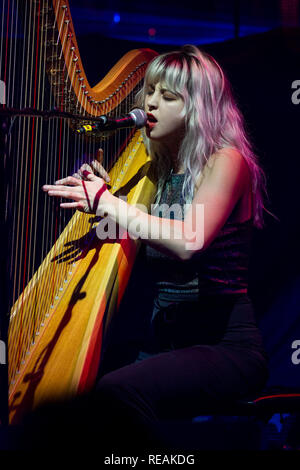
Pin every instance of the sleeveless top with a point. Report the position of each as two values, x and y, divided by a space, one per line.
203 300
220 269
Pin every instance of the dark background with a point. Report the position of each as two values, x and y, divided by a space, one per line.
258 45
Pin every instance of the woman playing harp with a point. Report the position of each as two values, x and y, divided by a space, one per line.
203 346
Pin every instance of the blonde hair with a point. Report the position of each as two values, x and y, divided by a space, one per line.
212 118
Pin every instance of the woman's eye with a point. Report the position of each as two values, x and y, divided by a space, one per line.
169 97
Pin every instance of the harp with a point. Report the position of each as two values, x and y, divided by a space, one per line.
65 283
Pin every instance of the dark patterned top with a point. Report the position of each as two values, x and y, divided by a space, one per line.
220 269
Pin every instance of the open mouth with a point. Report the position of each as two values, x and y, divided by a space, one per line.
151 119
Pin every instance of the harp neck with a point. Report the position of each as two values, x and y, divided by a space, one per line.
111 90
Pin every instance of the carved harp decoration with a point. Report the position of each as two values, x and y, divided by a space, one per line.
65 283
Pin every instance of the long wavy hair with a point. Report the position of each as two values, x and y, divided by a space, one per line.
212 120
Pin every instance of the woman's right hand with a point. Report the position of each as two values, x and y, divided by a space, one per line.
96 167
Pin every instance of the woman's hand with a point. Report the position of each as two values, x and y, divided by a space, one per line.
84 187
96 167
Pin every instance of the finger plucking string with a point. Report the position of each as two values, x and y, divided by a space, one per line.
86 173
85 168
70 180
99 156
99 168
71 192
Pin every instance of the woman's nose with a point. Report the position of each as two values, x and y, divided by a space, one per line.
152 101
151 107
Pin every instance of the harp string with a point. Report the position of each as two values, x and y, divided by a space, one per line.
35 312
17 170
34 131
18 218
15 162
2 42
6 42
30 195
34 153
69 77
8 61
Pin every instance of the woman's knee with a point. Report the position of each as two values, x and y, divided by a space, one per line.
111 385
126 397
116 394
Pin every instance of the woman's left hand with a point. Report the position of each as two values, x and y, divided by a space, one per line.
86 193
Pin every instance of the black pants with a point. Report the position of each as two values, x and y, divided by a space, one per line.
139 400
139 406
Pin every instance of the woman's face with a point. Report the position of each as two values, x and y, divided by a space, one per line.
165 111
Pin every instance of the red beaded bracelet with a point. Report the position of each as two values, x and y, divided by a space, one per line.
98 194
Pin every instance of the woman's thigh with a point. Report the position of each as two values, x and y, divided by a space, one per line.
183 382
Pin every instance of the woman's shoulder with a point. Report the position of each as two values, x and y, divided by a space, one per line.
225 160
235 162
227 174
226 155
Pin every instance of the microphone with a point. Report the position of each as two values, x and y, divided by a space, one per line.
136 118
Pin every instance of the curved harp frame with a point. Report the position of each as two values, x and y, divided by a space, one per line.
108 93
63 354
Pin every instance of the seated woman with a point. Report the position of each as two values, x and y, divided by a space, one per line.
203 347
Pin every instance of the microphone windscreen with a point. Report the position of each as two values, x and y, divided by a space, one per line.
139 116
